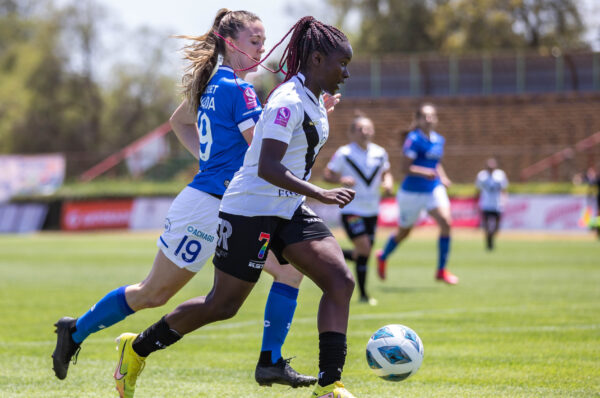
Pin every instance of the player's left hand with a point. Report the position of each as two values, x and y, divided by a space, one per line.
330 101
445 181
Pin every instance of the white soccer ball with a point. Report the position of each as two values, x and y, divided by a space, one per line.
395 352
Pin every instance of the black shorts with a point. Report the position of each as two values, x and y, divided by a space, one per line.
358 225
244 241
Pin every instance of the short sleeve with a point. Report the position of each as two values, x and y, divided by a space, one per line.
246 107
336 162
281 118
410 146
479 179
386 161
504 182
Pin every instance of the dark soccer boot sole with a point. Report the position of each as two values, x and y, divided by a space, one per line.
66 348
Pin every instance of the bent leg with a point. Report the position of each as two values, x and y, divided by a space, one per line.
362 246
165 279
323 262
223 301
279 309
163 282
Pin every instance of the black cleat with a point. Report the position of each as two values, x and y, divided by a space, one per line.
281 373
66 349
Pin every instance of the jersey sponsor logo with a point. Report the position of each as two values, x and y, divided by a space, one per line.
207 102
225 230
250 98
200 234
255 265
286 193
167 225
263 250
283 116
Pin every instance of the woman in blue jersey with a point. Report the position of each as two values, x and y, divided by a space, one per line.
423 188
215 123
264 209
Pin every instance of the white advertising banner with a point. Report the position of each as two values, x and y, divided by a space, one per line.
149 213
22 217
545 212
30 175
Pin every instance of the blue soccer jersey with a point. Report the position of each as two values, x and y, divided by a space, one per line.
426 152
228 106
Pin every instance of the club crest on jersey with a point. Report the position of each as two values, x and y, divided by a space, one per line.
283 116
250 98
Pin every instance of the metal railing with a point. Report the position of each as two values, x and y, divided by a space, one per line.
487 74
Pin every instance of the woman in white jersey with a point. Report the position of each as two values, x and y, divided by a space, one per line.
364 167
491 184
215 123
263 208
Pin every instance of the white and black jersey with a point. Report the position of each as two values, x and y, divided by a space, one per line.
295 116
366 167
491 185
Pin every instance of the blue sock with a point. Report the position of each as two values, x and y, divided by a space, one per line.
279 312
111 309
444 248
389 247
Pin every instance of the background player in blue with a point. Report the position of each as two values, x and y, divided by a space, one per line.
218 134
424 187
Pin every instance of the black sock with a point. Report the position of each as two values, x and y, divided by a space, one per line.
265 358
348 254
361 274
490 241
156 337
332 356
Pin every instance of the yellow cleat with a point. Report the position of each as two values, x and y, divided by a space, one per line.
129 367
335 390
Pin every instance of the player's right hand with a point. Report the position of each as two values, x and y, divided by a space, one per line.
336 196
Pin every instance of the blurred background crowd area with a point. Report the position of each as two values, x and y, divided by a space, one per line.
518 80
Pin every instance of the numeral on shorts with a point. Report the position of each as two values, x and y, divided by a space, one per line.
192 249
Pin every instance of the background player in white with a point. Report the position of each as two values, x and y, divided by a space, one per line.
216 127
423 188
263 208
491 184
364 167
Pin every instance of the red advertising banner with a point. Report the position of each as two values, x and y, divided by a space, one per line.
101 214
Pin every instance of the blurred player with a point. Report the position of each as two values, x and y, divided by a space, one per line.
264 208
491 184
215 127
364 167
423 188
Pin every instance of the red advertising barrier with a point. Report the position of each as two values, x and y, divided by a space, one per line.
100 214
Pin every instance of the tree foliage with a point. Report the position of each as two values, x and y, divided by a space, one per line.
455 26
51 95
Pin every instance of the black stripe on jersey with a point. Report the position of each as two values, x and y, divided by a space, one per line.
312 139
367 180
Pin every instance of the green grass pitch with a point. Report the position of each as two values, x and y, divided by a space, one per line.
523 322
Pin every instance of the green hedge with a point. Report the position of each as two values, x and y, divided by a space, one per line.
118 188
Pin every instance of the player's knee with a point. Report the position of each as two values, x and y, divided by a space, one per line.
152 298
344 283
291 277
225 311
